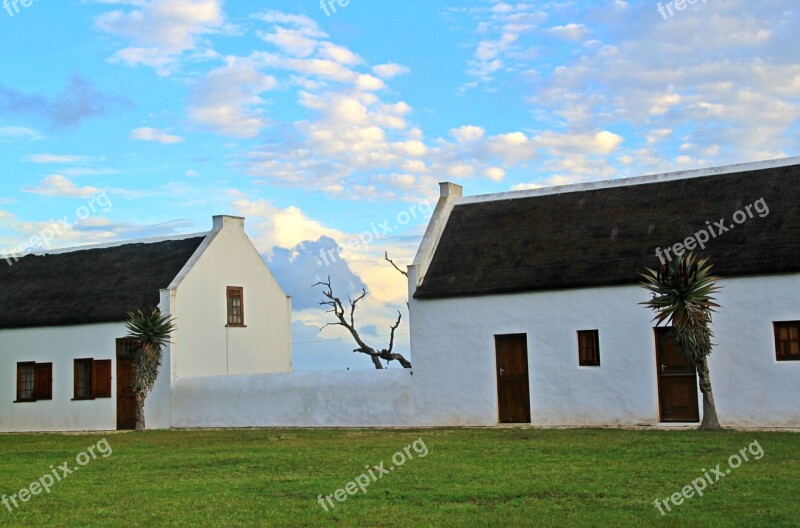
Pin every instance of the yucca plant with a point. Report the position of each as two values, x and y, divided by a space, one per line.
151 330
683 290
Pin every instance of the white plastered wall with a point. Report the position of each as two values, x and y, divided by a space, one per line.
454 356
359 398
202 344
59 346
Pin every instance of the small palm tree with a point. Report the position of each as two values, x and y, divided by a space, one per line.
683 292
151 330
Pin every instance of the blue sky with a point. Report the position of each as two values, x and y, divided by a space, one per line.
318 128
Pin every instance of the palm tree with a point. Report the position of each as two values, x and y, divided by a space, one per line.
151 329
682 297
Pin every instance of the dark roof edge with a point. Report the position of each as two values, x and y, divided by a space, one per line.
118 243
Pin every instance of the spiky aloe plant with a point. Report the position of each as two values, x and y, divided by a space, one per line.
151 330
683 292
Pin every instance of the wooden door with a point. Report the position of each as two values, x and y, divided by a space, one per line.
126 396
677 381
513 391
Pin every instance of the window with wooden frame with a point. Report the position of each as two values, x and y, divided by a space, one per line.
787 341
127 347
92 379
235 306
34 381
588 348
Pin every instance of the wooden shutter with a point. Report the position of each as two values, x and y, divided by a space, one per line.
44 381
101 378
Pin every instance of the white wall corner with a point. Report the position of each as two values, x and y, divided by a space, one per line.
449 195
412 281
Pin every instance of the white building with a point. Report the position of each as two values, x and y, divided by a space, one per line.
524 306
64 361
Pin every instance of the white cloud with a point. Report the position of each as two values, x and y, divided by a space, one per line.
293 41
58 185
501 28
525 186
390 70
722 92
17 132
467 133
160 31
339 54
156 135
57 158
303 22
511 148
495 173
570 31
227 99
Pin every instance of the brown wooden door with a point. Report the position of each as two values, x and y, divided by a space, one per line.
126 397
677 381
513 392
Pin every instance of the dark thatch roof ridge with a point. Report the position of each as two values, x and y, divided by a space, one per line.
607 236
92 285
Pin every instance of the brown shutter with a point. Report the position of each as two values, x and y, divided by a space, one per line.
101 378
44 381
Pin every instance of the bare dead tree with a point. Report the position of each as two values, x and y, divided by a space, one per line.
346 317
390 261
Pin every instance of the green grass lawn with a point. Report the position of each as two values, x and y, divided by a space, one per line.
469 477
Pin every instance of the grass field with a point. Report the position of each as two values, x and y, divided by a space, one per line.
468 477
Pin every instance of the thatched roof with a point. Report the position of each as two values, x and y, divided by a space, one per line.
607 236
89 286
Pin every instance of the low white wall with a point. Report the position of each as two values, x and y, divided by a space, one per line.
357 398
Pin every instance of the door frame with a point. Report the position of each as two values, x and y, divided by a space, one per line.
657 332
526 402
124 354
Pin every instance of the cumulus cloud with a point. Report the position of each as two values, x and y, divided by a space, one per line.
227 99
308 262
161 31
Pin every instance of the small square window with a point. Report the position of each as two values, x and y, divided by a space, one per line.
588 348
787 341
235 306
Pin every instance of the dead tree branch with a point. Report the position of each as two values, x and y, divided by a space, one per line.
390 261
345 316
